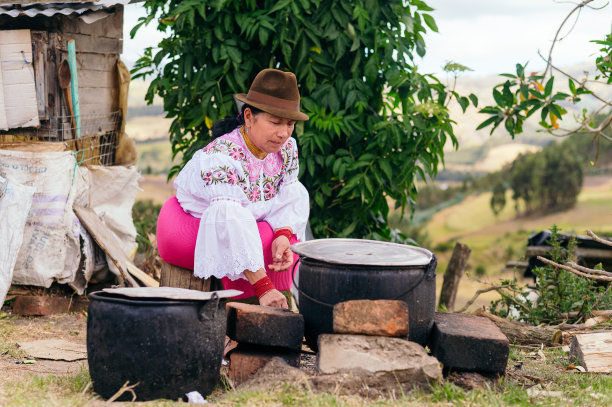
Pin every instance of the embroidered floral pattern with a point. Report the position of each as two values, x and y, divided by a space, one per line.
275 167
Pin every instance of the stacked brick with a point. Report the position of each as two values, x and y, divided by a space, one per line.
262 333
371 336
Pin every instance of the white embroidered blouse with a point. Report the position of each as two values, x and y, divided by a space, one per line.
230 190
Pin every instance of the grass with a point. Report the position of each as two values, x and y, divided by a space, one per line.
527 369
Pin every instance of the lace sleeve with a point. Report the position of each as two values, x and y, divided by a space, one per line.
207 177
228 241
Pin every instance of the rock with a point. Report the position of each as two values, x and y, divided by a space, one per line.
371 317
469 343
245 361
376 354
473 380
268 326
277 370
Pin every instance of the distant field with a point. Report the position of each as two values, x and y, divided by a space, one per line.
155 157
491 238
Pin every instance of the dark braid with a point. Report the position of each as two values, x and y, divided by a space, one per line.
228 124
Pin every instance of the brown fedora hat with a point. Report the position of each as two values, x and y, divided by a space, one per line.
275 92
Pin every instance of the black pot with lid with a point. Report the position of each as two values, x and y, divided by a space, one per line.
168 340
336 270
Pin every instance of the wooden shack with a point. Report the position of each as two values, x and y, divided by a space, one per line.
97 30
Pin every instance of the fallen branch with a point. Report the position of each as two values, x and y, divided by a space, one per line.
522 333
588 270
599 239
124 389
572 270
497 288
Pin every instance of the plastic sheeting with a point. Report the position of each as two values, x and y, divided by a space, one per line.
15 203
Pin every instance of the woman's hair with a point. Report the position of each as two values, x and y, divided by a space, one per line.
228 124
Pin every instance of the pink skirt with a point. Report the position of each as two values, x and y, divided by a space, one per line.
177 232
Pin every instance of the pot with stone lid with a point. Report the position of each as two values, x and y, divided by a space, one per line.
337 270
168 340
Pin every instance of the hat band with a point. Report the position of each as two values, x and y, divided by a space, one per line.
273 101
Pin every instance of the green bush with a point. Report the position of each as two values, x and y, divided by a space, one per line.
145 214
376 124
559 292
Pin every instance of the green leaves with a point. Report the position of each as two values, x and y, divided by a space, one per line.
375 125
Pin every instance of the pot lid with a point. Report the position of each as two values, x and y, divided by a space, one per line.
170 293
363 252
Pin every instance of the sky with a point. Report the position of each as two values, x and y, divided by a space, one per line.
488 36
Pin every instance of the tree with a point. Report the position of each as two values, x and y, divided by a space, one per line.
523 95
498 199
377 125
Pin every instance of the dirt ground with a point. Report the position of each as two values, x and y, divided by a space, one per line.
14 362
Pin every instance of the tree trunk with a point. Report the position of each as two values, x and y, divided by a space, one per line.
453 274
524 334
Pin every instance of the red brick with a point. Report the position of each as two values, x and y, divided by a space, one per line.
470 343
371 317
267 326
246 361
42 305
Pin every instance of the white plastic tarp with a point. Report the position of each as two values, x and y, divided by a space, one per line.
15 203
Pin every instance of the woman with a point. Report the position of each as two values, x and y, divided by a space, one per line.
239 205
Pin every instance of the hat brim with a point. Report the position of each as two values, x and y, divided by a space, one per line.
286 114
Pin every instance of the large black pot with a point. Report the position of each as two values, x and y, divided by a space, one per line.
387 271
168 346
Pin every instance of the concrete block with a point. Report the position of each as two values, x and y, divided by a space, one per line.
469 343
371 317
267 326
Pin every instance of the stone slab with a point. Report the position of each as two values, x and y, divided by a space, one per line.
245 361
371 317
54 349
376 354
267 326
469 343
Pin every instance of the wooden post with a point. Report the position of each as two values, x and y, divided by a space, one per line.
175 276
453 274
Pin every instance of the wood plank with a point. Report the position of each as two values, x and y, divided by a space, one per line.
98 79
146 279
40 40
93 44
594 351
94 62
99 96
111 26
110 245
53 89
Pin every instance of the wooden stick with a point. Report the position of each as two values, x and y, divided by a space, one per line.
571 270
588 270
123 389
453 274
599 239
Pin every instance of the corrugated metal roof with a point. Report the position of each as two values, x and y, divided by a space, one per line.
51 9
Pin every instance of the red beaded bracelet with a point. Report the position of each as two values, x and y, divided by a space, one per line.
262 286
283 232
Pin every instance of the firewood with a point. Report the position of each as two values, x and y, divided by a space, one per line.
522 333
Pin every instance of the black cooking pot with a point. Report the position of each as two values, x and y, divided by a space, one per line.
337 270
168 340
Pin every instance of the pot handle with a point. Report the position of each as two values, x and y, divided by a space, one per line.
209 306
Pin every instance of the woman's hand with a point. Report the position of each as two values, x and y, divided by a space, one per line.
281 254
274 298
